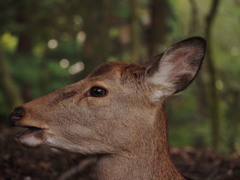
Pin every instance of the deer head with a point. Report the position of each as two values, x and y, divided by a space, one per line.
117 109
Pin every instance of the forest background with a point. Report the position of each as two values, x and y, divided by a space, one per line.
48 44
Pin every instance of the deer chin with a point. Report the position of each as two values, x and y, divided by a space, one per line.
33 137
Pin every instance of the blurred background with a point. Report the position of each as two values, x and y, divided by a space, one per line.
48 44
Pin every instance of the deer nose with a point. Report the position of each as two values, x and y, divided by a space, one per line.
16 115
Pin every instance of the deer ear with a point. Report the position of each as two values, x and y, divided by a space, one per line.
171 72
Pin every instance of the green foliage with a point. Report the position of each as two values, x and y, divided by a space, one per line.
25 70
121 9
42 76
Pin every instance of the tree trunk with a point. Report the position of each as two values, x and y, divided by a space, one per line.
234 120
8 88
215 111
194 23
25 44
96 26
201 86
134 30
24 49
160 13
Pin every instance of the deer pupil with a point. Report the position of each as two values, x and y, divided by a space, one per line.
98 91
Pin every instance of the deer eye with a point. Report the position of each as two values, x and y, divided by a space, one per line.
96 91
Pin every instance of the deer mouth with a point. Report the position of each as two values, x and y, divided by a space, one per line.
33 136
31 130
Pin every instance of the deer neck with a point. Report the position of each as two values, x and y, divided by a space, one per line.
149 160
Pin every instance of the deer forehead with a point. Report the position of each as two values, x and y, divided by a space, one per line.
119 73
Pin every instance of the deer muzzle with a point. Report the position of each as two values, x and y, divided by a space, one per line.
34 134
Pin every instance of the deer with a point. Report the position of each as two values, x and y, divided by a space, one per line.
116 113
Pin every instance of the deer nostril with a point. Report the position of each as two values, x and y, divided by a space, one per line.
16 115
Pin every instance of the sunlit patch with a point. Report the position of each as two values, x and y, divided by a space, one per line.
78 20
219 84
52 43
235 51
81 36
76 68
64 63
